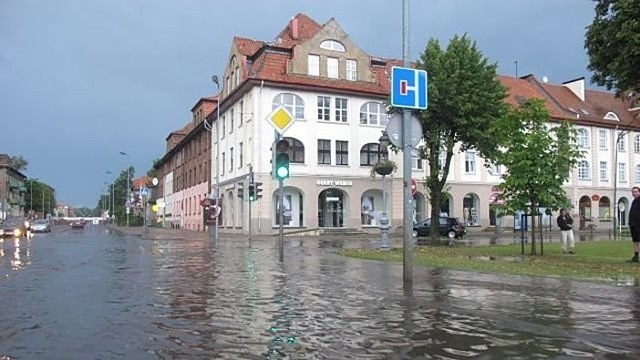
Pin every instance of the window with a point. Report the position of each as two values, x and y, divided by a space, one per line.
332 45
583 138
352 70
636 144
416 163
622 172
442 159
223 163
373 113
495 169
370 154
230 159
231 121
604 173
341 109
342 152
332 67
241 113
296 151
603 140
324 152
324 108
240 156
611 116
313 64
583 170
621 144
470 162
637 174
292 102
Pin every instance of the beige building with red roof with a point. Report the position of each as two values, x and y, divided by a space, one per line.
335 92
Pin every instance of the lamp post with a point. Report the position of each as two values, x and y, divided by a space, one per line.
128 196
384 220
215 80
113 198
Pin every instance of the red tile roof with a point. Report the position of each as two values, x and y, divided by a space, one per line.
520 89
247 47
306 28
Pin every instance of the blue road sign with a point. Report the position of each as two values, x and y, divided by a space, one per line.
408 88
144 191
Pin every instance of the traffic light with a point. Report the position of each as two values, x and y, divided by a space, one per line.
241 190
258 189
282 160
252 192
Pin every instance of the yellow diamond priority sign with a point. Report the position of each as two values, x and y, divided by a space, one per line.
281 119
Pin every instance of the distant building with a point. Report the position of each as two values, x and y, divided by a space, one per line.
12 189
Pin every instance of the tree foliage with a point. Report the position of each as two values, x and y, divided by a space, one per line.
40 197
465 99
538 160
117 197
18 163
612 42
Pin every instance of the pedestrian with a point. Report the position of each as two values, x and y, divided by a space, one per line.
634 222
565 223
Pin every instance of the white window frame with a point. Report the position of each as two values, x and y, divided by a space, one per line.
604 171
417 163
342 107
470 162
313 65
603 139
292 102
333 67
351 68
636 143
373 113
637 174
583 138
324 109
622 172
584 170
333 45
621 142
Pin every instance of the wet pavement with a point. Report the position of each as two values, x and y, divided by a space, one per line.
100 294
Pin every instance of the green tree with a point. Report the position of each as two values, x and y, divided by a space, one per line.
18 163
538 158
465 100
120 186
612 42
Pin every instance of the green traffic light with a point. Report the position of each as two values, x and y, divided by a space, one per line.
282 172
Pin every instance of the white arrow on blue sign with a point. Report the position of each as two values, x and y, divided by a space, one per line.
408 88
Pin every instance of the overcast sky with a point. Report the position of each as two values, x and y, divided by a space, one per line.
82 80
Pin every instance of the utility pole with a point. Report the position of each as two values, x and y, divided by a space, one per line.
407 268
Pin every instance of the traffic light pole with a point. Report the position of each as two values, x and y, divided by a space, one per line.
281 220
250 182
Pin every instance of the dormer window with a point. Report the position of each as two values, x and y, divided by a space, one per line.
332 45
611 116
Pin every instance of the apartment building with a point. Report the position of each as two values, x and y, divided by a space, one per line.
336 92
12 189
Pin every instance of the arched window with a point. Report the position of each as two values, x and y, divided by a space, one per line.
296 151
332 45
373 113
583 138
584 173
370 154
292 102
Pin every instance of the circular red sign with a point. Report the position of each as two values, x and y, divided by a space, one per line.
414 186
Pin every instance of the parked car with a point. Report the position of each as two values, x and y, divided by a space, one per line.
453 228
41 225
14 227
77 225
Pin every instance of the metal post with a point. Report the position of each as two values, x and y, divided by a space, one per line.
127 202
616 209
406 164
31 199
251 181
281 220
384 221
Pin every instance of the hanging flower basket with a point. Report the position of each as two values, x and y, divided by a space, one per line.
384 167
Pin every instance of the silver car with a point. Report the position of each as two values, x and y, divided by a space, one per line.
41 225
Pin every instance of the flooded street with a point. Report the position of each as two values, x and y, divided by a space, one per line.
95 295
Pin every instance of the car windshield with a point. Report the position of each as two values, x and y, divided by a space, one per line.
40 222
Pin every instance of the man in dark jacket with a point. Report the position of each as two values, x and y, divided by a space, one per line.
565 223
634 222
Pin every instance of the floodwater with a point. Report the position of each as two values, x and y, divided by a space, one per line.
92 294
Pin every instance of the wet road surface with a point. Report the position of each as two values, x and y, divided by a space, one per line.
92 294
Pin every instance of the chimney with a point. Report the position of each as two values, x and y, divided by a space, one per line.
576 86
294 28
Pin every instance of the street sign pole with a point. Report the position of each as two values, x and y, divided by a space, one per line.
250 178
281 220
407 258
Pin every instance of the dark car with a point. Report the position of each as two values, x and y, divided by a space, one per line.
77 225
452 228
15 228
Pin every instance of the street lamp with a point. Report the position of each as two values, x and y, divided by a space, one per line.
128 196
384 220
112 212
214 79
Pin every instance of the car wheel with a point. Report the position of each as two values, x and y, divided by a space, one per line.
451 234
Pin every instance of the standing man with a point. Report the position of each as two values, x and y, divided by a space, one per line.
565 223
634 222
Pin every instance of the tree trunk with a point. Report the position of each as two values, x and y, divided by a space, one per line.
435 215
534 211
